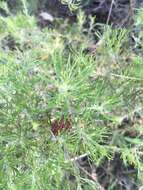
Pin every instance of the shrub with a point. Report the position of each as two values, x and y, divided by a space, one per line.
48 80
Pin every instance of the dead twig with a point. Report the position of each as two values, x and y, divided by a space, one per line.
93 176
110 11
79 157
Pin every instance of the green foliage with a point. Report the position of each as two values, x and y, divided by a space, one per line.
75 4
72 4
49 76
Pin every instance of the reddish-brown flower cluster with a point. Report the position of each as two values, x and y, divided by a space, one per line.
60 125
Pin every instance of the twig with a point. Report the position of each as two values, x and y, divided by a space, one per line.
110 11
93 177
129 17
126 77
78 157
100 5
